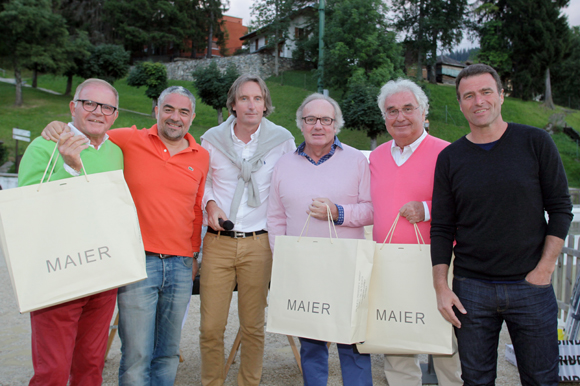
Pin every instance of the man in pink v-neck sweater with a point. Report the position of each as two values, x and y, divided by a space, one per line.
322 173
402 174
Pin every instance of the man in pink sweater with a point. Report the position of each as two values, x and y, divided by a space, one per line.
321 172
402 173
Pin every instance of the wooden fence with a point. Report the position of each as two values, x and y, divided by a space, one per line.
565 275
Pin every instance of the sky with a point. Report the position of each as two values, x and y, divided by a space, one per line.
241 8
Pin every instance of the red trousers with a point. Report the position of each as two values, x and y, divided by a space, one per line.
69 341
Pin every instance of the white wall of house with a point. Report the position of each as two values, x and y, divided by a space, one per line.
289 45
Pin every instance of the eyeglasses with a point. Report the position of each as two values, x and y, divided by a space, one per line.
394 113
324 121
91 106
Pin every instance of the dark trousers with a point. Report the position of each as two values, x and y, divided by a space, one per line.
530 313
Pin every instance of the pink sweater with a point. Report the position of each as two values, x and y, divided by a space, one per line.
344 179
393 186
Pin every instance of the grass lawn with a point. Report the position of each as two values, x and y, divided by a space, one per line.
288 90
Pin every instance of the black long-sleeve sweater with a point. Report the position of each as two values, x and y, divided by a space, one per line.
492 204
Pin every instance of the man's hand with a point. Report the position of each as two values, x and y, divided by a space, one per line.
414 211
70 147
52 131
318 209
542 274
446 298
214 213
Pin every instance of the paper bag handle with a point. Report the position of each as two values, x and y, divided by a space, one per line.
389 236
330 221
52 169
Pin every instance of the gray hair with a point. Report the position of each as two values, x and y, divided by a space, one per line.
237 85
176 90
393 87
90 81
338 119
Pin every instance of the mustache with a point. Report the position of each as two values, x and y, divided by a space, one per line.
172 122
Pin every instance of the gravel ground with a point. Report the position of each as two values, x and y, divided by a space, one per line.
280 369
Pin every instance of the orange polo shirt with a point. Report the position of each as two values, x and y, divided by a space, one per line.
167 190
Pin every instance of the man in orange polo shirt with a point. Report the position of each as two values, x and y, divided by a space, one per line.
166 171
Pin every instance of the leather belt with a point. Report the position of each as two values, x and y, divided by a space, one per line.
159 255
236 234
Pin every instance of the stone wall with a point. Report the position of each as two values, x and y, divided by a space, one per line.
259 64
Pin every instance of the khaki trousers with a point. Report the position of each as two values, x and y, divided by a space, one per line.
404 370
227 262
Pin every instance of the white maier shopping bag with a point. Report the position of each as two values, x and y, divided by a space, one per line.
319 287
403 316
66 239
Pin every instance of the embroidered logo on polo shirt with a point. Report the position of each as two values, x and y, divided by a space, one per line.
190 168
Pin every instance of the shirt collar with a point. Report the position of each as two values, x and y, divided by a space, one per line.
336 143
237 140
412 146
78 132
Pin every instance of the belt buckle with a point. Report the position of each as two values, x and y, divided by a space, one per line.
238 235
163 256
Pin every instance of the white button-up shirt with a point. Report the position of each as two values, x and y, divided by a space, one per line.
400 156
222 180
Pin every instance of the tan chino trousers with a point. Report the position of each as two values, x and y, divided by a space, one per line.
227 261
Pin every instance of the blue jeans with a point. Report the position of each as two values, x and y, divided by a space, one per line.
355 367
530 313
150 316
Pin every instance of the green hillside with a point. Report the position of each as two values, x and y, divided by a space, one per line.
288 91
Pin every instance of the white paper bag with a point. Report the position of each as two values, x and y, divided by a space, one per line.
403 315
70 239
319 288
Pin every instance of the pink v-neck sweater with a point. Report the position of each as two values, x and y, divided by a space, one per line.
344 179
393 186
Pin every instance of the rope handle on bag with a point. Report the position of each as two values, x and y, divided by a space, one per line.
389 236
328 217
53 166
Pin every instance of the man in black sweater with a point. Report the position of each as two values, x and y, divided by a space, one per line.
490 193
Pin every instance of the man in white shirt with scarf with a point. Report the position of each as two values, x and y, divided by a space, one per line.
243 151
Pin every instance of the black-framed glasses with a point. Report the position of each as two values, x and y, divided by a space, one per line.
394 113
324 121
91 106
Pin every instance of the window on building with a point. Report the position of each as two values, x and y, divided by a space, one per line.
298 32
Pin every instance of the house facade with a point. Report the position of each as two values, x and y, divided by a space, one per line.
258 40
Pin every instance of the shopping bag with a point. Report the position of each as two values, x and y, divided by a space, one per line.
319 288
70 238
403 315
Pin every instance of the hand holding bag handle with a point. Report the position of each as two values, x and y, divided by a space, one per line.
330 221
389 236
53 166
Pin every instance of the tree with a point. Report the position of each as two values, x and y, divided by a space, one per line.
87 16
156 24
533 33
359 107
213 10
213 86
31 34
78 50
566 74
108 62
429 26
151 75
357 37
